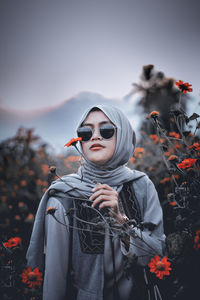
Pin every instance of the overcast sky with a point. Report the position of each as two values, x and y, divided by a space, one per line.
51 50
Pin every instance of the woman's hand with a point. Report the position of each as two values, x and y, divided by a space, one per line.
105 196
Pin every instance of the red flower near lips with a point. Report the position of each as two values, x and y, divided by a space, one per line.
159 267
73 142
184 87
13 242
32 277
187 163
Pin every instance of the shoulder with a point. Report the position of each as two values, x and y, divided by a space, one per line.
58 196
62 185
141 178
144 189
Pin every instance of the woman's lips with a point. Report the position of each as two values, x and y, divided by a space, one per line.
96 147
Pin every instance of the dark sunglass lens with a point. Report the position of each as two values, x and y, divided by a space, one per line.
107 131
84 133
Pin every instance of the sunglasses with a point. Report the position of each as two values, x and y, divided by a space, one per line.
106 131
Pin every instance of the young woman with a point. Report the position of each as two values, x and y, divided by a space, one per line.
82 247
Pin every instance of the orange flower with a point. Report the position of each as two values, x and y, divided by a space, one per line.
172 203
154 114
17 218
197 240
174 134
166 179
167 153
177 145
195 146
187 163
39 181
45 169
23 183
155 138
173 158
30 217
13 242
31 172
132 160
159 267
32 277
51 210
184 87
73 142
139 152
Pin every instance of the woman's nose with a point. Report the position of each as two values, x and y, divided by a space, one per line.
96 134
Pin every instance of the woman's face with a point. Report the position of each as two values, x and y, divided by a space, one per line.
98 150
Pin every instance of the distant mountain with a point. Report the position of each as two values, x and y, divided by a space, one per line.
56 125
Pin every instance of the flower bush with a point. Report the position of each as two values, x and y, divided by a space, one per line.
26 171
172 160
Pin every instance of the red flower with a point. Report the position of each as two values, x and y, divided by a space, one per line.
154 114
32 277
184 87
164 180
172 203
13 242
155 138
173 158
197 240
159 267
139 152
187 163
73 142
174 134
195 146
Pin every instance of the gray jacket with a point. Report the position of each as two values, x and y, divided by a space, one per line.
91 270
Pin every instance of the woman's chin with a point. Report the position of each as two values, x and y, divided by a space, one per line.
101 160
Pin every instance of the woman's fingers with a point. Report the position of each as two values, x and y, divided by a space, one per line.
101 192
111 204
101 198
104 196
101 186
